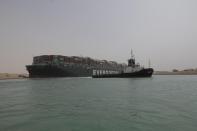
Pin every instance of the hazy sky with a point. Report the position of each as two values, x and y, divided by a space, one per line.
164 31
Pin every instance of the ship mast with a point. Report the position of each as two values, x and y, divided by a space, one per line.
131 61
132 55
149 63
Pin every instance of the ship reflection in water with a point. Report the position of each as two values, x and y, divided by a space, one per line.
75 66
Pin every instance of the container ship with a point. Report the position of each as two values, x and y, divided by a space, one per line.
70 66
76 66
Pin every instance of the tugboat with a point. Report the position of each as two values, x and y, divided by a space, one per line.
132 70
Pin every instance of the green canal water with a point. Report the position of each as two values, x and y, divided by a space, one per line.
160 103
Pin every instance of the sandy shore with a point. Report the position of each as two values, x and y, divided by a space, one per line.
4 76
175 73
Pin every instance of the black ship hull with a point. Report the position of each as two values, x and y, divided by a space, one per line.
142 73
57 71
